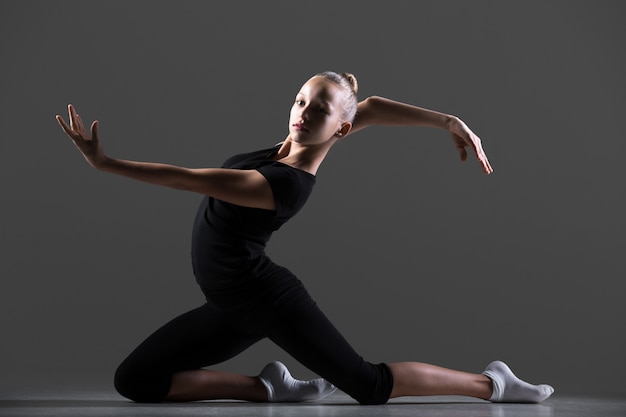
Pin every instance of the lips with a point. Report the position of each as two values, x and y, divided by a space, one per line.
300 127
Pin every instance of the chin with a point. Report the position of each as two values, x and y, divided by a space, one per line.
296 139
300 138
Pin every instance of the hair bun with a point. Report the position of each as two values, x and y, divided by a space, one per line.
354 84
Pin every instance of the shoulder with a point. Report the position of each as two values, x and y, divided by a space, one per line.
285 176
290 186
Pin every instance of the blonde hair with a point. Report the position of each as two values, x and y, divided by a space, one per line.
348 82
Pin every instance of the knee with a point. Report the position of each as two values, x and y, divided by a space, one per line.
379 388
128 384
139 386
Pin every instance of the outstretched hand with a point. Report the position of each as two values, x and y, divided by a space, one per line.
87 144
464 137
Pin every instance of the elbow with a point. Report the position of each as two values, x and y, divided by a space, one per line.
373 105
368 111
371 102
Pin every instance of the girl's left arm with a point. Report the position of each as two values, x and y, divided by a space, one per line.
385 112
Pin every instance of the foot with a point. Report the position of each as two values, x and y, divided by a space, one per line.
282 387
507 388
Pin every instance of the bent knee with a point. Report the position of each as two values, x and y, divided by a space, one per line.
141 387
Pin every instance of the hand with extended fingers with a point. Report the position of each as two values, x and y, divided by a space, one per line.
87 144
463 137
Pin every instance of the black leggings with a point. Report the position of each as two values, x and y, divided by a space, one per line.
209 334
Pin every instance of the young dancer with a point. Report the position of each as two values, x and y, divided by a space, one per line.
249 297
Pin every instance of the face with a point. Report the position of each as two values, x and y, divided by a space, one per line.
316 112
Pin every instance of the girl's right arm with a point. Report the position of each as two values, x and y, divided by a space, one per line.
242 187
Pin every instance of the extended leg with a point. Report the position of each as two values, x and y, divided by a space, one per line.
311 339
497 383
415 379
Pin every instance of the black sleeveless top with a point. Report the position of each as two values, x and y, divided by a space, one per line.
228 241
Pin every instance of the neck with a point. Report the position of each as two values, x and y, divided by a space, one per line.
307 157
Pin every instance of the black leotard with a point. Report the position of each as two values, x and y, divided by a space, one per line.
249 298
228 241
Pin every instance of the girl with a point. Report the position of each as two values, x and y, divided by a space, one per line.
249 297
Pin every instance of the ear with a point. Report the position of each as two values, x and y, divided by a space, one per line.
344 130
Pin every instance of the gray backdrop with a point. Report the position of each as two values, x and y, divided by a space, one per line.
414 255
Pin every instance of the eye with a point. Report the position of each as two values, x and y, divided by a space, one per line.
299 102
323 110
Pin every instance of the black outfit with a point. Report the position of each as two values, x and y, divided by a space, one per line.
249 297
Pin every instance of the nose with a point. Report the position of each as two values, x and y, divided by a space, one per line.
304 112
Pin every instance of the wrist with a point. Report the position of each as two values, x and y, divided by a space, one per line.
102 163
448 121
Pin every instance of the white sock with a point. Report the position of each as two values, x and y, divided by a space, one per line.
282 387
507 388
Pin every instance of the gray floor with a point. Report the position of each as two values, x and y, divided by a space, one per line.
69 402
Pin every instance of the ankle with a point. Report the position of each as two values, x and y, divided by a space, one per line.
486 388
263 388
